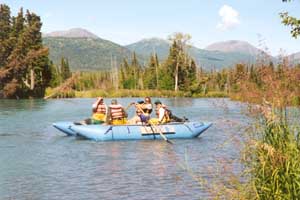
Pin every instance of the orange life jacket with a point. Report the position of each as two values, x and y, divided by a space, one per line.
116 111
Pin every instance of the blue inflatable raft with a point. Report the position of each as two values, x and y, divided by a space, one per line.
134 132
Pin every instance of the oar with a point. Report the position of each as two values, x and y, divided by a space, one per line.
129 106
160 133
156 128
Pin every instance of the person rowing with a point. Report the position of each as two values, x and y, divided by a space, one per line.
143 111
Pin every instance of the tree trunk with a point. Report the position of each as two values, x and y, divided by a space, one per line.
156 75
176 76
31 79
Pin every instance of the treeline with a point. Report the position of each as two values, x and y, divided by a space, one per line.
179 73
25 69
60 73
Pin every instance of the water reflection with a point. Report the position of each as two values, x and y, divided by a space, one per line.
21 105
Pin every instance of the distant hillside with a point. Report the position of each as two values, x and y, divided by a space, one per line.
72 33
146 47
234 46
219 60
205 58
85 53
295 58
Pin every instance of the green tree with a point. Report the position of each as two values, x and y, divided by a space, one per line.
151 73
26 70
291 21
65 69
5 29
180 46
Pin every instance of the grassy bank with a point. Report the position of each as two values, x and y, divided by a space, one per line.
272 158
131 93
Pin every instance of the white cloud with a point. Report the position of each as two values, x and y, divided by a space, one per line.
230 18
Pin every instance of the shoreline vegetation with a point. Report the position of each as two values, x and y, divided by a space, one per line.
93 93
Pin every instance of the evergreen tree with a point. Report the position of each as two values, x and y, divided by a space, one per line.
150 79
136 71
166 72
5 29
181 59
56 76
65 69
26 70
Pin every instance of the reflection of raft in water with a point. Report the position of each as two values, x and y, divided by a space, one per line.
134 132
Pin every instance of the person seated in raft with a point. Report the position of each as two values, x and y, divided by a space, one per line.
143 111
147 107
162 115
116 115
99 111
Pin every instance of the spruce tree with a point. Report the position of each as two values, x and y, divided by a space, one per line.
25 68
65 69
5 29
150 79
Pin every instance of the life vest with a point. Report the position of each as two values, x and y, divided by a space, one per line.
101 108
116 111
99 117
147 111
167 114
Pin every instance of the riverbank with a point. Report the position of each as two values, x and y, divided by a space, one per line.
132 93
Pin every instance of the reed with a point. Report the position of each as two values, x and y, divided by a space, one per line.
272 158
142 93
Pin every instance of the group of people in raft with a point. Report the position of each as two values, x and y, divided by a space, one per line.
115 114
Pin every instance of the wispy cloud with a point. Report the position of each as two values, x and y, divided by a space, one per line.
230 18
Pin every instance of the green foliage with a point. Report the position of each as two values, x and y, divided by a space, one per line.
291 21
25 70
151 73
86 53
131 75
65 69
274 162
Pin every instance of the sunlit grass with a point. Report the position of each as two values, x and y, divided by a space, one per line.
130 93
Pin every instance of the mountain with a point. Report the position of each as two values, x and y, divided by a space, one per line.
146 47
295 58
208 59
72 33
234 46
85 53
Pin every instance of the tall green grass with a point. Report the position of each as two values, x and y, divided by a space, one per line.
273 160
142 93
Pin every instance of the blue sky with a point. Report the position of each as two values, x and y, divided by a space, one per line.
127 21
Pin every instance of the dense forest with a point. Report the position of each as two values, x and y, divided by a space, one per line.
25 70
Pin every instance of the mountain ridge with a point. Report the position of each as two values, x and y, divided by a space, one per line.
90 52
72 33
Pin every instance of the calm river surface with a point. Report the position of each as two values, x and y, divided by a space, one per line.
39 162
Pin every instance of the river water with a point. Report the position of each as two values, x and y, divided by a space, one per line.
39 162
